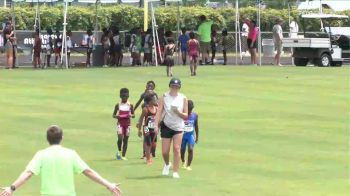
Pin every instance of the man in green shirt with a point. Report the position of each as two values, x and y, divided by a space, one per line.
56 165
204 32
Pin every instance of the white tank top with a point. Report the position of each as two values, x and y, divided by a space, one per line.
172 120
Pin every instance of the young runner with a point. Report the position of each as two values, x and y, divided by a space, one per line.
147 119
193 52
190 136
123 111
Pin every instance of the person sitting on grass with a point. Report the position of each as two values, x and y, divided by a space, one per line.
56 165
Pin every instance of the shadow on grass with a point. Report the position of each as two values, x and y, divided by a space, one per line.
147 177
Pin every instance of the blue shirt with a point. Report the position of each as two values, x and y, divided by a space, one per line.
190 123
183 41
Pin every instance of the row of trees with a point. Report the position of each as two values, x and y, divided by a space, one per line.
128 17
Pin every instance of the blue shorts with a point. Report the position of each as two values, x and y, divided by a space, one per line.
184 49
187 139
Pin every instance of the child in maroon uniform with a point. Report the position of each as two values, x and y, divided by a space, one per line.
123 111
147 119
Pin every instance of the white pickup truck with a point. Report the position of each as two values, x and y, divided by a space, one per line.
321 49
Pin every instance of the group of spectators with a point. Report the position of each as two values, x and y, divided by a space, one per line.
137 41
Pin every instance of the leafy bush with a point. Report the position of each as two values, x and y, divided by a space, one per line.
127 17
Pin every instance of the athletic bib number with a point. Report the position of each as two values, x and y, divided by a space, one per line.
188 127
151 124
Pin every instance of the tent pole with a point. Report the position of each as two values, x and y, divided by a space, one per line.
239 33
64 36
236 29
157 36
154 30
259 33
178 30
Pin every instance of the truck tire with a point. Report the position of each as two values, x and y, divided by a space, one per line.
300 61
324 61
336 63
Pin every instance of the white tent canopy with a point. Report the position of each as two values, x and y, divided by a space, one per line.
335 5
324 16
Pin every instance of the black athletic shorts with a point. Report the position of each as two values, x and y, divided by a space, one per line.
249 43
166 132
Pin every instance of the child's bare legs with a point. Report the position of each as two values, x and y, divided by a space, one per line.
192 66
190 155
168 70
68 58
88 56
10 58
225 57
117 58
184 56
125 145
195 66
154 146
148 153
213 52
120 142
120 59
48 59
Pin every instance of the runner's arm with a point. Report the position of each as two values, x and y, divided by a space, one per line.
159 113
115 112
23 178
94 176
138 102
196 128
132 111
142 116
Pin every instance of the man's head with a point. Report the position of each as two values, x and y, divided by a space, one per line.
191 34
89 32
54 135
279 21
183 30
202 18
124 94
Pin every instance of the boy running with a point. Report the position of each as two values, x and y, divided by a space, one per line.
189 138
147 118
193 52
123 111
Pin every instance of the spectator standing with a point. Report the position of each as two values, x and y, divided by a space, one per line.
277 33
204 32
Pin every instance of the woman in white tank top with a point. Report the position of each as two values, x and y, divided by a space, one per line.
172 111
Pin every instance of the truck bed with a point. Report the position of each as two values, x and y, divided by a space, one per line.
306 42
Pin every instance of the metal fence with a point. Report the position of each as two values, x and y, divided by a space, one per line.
25 39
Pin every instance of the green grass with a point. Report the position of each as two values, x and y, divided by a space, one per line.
264 131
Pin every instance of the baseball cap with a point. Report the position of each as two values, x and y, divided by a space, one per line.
175 82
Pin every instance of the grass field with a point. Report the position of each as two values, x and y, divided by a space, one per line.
264 131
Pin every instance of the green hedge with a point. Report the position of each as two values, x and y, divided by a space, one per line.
127 17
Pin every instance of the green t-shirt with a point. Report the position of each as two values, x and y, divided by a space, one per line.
57 166
204 31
